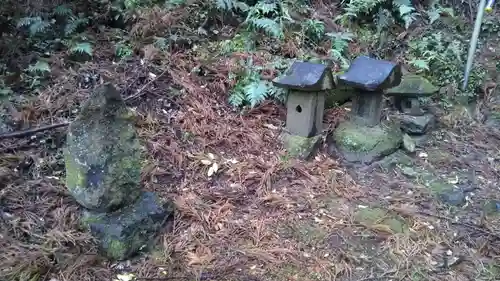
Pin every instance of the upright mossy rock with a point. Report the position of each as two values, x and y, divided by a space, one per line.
103 155
365 144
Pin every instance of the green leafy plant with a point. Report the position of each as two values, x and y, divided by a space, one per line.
123 50
266 17
340 43
440 56
314 29
382 12
250 89
39 67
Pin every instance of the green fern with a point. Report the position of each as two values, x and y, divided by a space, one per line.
259 18
256 92
230 5
269 26
63 11
315 29
74 24
237 98
383 20
35 25
225 5
39 67
420 64
406 11
264 8
82 48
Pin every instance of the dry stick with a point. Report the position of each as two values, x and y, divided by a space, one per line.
24 133
29 132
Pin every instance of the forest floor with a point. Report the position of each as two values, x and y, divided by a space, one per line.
262 215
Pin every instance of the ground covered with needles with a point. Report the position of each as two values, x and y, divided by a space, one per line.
245 210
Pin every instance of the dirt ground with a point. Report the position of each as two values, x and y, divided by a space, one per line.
262 215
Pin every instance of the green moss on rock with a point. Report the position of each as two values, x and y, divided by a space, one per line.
359 143
377 216
300 147
121 234
103 154
412 84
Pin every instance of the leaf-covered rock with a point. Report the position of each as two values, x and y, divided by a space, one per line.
121 234
103 156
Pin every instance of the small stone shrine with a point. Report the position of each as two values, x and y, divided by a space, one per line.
414 120
364 138
103 159
307 84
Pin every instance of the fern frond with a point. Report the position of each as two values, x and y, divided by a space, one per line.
225 5
383 19
39 67
266 8
82 48
38 27
63 11
237 98
256 92
269 26
27 21
420 64
277 93
74 24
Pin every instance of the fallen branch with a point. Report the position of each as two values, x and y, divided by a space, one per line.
28 132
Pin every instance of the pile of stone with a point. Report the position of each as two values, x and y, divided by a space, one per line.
103 159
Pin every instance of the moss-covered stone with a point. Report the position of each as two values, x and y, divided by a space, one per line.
103 155
413 86
377 216
121 234
365 144
300 147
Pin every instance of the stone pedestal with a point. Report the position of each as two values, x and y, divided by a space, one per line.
365 144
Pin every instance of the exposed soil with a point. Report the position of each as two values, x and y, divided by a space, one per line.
263 215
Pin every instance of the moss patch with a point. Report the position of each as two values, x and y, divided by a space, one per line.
300 147
116 250
361 143
414 84
376 216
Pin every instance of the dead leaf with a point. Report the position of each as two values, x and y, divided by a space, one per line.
150 52
382 228
206 162
213 169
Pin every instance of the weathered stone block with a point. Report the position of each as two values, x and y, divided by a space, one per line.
121 234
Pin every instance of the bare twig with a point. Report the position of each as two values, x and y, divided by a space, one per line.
140 92
28 132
